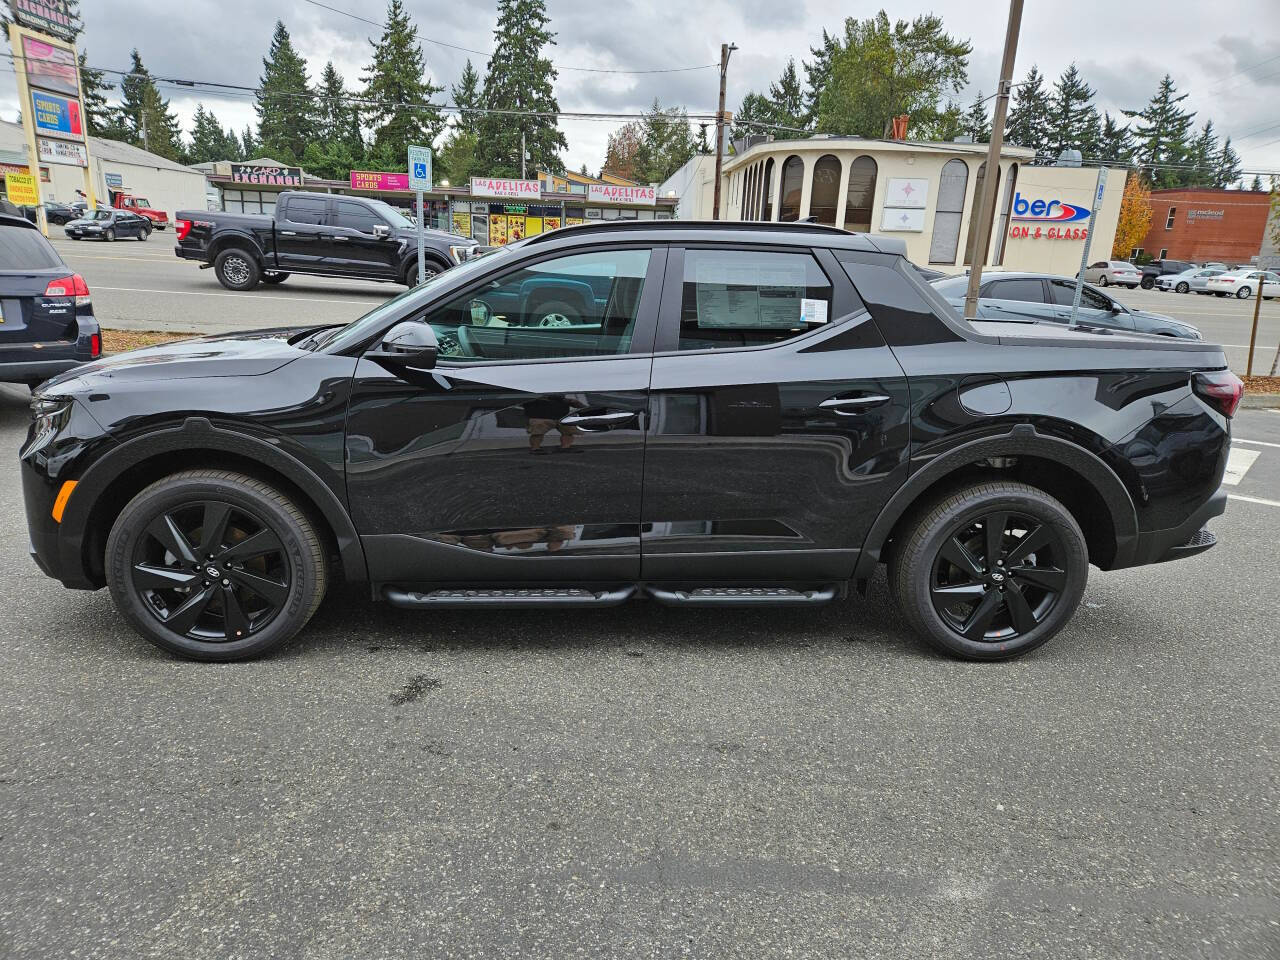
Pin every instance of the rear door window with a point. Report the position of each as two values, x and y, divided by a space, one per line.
746 298
23 249
306 210
1026 289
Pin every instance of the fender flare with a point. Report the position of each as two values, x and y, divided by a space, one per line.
237 238
198 433
1023 439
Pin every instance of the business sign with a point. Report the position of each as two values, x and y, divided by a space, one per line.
377 180
613 193
49 67
1193 214
48 16
902 220
21 188
1040 232
266 176
23 168
1047 211
62 151
114 180
516 189
419 168
57 116
906 192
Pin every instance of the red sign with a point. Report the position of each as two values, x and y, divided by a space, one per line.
614 193
49 67
377 180
1049 233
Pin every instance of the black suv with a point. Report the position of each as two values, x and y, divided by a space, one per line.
1156 269
703 415
47 324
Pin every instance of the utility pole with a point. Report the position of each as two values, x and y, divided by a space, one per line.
522 155
1253 334
725 50
146 144
987 204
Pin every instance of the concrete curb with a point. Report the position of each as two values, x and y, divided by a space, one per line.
1260 401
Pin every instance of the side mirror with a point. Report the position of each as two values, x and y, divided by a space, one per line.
411 343
1116 308
381 231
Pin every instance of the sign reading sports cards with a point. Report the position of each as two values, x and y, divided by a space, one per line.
57 116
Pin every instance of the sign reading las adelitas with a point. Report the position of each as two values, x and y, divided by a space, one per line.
616 193
499 187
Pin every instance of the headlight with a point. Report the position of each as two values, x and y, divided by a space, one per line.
49 415
460 253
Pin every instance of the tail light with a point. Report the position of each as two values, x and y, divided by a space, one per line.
72 286
183 227
1227 279
95 346
1222 391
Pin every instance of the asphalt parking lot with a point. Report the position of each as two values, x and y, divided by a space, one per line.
648 782
143 286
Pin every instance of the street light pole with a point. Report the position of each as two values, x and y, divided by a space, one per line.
986 206
725 50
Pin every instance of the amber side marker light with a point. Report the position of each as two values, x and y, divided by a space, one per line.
60 503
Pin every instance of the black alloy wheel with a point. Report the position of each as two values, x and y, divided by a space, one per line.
1103 281
429 269
991 571
210 571
214 565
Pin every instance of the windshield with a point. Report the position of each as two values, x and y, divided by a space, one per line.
141 202
393 214
358 330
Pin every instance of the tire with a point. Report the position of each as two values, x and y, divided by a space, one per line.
433 267
143 563
1147 283
109 234
1243 293
237 269
1182 287
144 233
274 277
1103 281
919 571
554 313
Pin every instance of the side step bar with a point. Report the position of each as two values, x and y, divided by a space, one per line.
743 596
510 597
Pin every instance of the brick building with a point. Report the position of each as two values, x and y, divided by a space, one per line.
1202 225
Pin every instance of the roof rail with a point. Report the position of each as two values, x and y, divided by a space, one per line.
753 225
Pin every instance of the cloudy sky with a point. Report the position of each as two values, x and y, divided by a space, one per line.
1227 59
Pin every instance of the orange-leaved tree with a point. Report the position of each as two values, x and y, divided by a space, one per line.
1135 216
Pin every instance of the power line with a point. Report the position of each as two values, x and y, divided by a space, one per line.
1243 72
489 54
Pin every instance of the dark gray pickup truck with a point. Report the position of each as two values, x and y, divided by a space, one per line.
315 233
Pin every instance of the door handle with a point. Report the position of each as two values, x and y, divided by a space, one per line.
587 420
339 239
288 233
851 406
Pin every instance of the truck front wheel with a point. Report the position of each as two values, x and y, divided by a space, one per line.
237 269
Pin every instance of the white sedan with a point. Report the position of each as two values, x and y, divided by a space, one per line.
1106 272
1244 283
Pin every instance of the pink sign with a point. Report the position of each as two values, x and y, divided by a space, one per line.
615 193
512 189
377 180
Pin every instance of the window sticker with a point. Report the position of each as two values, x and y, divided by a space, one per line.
733 295
813 311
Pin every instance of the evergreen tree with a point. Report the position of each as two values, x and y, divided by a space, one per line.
1256 186
1203 159
1115 141
976 124
101 119
338 119
520 78
786 100
403 110
1226 166
145 115
818 72
1073 121
752 116
249 146
1160 137
1028 122
456 161
209 141
666 143
704 148
286 110
467 97
949 124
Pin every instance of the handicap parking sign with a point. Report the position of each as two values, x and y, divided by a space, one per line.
419 168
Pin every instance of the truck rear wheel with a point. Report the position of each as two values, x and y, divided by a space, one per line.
237 269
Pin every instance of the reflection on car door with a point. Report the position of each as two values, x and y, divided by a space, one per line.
355 249
779 419
1096 309
1016 298
519 457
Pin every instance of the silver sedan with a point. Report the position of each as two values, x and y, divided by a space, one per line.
1106 272
1188 281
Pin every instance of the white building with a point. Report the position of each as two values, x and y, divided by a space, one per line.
923 192
166 184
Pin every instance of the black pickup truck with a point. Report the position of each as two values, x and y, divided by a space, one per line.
315 233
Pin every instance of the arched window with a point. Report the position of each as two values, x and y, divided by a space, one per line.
792 184
973 212
753 202
824 191
946 219
860 196
766 192
1002 225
